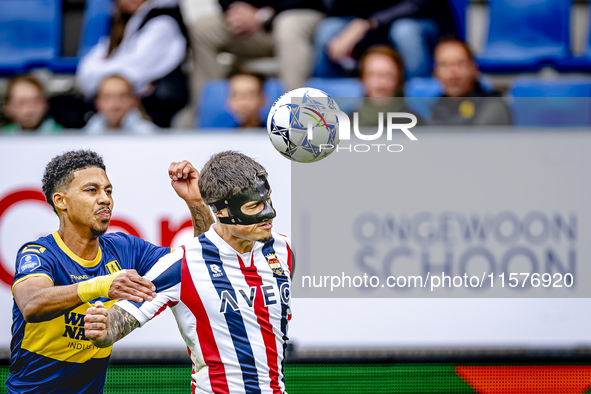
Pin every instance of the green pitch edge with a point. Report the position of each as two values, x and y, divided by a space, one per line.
303 378
300 379
374 379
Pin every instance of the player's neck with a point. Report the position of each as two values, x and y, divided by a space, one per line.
82 245
240 245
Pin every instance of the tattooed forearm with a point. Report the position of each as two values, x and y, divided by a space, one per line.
121 323
202 219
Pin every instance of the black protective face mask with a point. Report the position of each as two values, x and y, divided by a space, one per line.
257 192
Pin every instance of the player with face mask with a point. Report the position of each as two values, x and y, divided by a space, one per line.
229 288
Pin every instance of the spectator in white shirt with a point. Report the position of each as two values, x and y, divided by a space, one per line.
118 109
147 46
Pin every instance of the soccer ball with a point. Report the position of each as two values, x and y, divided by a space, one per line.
296 113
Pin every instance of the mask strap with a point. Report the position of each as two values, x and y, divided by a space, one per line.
219 205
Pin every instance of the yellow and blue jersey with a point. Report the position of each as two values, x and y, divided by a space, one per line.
54 356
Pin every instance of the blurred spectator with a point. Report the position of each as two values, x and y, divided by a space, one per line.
464 101
118 109
412 26
258 28
147 46
382 76
27 107
244 102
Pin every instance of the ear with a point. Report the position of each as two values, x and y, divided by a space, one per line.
59 201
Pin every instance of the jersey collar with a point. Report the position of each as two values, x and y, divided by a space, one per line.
225 247
73 256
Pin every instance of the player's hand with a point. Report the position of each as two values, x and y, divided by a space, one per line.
130 286
96 322
184 178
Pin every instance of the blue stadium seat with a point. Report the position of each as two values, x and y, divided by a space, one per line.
214 96
525 34
580 62
551 102
30 34
458 10
347 92
422 93
431 87
96 23
423 87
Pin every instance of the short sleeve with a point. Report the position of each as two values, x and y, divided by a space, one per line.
33 260
166 276
291 262
140 255
290 253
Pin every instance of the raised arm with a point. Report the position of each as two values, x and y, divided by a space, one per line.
105 326
184 182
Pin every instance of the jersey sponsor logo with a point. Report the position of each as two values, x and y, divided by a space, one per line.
29 263
63 338
113 266
78 277
34 249
269 293
216 270
80 346
285 292
74 327
274 264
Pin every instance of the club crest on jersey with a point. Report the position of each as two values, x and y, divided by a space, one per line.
113 266
29 263
274 264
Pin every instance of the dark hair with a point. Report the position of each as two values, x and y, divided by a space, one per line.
451 40
226 173
386 51
22 79
259 77
118 24
59 172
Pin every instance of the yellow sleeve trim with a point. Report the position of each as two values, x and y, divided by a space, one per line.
171 250
30 276
73 256
33 248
